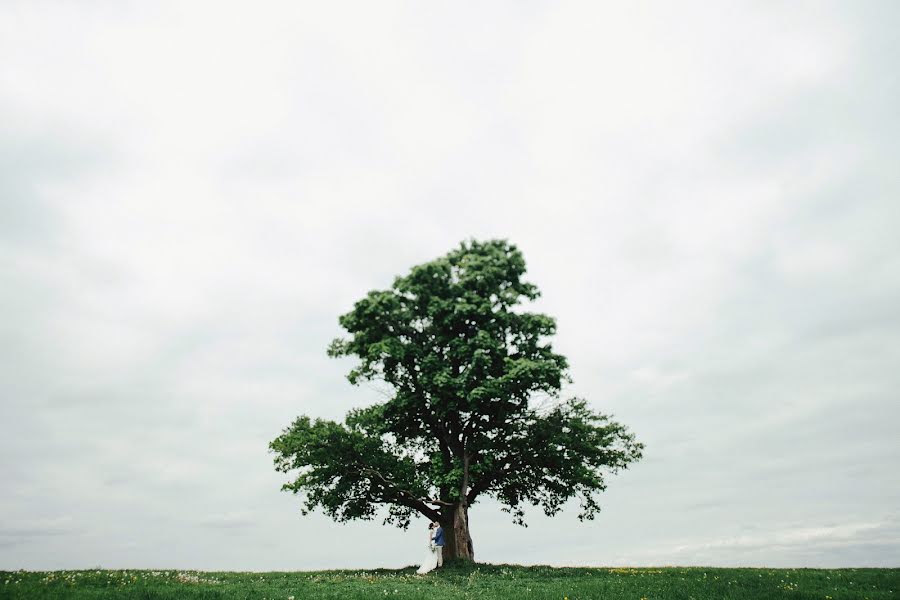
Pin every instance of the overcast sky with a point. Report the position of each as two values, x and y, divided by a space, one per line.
193 192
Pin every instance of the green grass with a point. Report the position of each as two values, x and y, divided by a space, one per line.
463 581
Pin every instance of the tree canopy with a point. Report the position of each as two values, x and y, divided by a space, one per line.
475 407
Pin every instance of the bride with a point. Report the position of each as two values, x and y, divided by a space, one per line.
430 561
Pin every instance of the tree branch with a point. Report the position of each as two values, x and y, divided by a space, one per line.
436 429
483 485
405 497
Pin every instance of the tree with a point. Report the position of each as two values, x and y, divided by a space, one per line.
474 409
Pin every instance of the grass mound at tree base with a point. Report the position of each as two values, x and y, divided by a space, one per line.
461 581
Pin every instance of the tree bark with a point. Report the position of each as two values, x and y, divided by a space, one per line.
455 519
458 540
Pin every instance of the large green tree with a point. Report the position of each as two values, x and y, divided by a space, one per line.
474 410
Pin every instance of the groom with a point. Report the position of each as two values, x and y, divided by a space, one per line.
437 538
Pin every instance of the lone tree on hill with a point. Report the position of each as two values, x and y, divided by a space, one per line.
475 408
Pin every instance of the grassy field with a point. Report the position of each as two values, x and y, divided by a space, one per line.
458 581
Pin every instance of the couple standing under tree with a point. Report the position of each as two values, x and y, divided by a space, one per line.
434 555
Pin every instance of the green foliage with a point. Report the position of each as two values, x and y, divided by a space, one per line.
347 470
475 409
459 581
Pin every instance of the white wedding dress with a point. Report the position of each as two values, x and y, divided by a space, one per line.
430 561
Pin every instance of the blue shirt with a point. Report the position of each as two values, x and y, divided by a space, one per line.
439 537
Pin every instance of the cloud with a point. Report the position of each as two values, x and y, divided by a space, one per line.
877 541
236 520
34 530
193 194
836 535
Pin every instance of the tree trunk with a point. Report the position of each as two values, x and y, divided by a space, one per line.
458 541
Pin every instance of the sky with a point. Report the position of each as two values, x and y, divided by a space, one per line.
191 193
